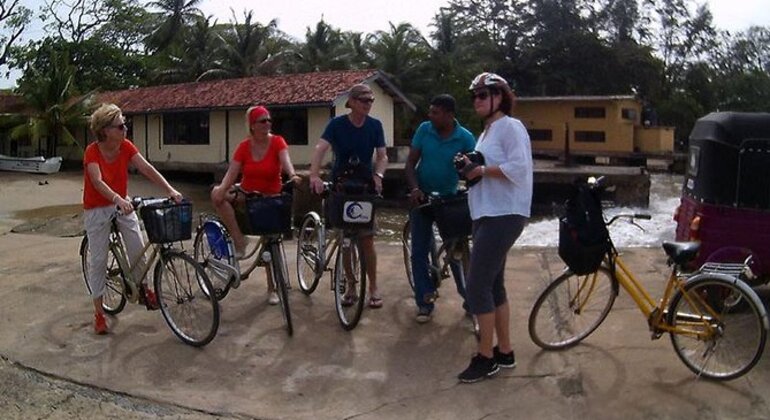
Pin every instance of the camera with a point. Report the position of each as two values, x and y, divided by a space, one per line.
476 159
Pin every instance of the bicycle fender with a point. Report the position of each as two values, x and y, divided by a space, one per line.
740 284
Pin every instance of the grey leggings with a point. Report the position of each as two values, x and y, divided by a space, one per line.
492 238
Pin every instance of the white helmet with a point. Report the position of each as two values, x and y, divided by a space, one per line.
488 80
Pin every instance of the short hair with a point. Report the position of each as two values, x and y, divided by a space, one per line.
444 101
102 117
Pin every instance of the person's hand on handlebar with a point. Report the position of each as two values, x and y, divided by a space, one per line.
416 197
123 204
175 195
316 184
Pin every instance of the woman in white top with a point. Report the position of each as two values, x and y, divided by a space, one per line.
500 205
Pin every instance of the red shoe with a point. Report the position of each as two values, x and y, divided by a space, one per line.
150 300
100 324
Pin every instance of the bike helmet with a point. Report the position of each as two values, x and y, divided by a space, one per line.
488 80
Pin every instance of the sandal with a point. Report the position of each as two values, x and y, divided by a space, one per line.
375 302
348 300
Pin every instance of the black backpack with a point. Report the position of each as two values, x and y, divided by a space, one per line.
583 235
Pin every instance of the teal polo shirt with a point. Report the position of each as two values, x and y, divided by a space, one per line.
435 170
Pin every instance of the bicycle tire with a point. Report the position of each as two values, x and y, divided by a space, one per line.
279 284
190 312
740 335
114 297
558 320
310 253
406 248
350 314
219 280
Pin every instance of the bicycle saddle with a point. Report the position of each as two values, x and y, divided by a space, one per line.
681 252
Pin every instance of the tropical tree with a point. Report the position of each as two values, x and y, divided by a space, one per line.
56 107
14 18
177 15
324 49
196 55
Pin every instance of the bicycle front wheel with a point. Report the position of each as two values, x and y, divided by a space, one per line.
310 253
216 262
349 283
114 298
278 268
571 308
188 307
406 247
721 327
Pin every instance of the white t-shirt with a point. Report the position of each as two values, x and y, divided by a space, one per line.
505 144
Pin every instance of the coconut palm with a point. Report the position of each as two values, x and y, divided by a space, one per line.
178 14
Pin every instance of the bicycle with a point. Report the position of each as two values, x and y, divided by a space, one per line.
191 314
215 251
316 249
717 324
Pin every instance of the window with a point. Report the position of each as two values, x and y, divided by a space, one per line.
186 128
589 112
291 124
628 114
589 136
540 135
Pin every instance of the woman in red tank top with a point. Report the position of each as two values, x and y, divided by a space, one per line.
259 159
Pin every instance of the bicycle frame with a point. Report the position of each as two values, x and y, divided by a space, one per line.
656 313
126 266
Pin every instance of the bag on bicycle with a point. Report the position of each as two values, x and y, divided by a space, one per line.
269 215
453 217
583 235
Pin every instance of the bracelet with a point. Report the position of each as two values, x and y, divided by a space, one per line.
483 170
381 176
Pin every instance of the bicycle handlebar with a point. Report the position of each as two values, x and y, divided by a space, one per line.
286 187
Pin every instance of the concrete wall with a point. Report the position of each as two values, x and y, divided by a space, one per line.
654 139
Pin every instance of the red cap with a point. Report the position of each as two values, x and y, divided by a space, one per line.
256 113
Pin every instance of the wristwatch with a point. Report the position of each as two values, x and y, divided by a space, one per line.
381 176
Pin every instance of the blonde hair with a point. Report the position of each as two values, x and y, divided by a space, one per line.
102 117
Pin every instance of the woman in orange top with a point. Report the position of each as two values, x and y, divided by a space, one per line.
105 179
259 158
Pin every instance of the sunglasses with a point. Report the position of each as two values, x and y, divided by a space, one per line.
483 95
265 120
121 126
365 100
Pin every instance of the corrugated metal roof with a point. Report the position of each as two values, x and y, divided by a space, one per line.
308 89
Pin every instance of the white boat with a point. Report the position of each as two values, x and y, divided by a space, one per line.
37 164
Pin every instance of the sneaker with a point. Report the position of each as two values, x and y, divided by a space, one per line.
150 300
100 324
273 298
504 360
423 315
481 367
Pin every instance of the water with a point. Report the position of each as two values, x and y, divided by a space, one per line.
665 190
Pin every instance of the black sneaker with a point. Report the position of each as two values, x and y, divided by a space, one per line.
480 368
504 360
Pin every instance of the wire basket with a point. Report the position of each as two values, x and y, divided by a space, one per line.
167 222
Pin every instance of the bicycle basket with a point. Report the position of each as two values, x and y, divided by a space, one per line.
347 211
269 215
453 217
168 222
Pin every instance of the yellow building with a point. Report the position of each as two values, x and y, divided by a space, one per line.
610 126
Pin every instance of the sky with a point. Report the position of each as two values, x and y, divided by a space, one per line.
367 16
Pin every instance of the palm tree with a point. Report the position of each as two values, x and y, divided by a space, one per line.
196 55
178 14
56 107
401 53
324 49
249 49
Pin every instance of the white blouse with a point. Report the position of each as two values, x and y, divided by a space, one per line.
505 144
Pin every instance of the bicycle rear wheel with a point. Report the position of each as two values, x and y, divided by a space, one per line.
349 283
114 298
732 323
310 253
277 267
188 308
213 234
571 308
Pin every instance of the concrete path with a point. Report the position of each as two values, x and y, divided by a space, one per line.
388 367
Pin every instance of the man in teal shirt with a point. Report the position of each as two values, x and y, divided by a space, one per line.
430 170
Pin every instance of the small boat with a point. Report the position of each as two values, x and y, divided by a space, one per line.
37 164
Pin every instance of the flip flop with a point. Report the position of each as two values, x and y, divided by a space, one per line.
375 302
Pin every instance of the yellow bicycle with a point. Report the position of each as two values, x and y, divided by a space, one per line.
717 323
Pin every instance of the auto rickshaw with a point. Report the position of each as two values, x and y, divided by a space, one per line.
725 200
